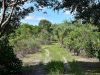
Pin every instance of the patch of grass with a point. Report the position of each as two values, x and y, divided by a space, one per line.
54 68
56 52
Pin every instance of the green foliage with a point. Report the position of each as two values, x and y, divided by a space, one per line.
45 37
12 13
45 31
45 24
61 31
86 10
26 46
83 38
9 64
55 67
24 40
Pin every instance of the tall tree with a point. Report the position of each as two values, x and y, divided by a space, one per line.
87 10
45 24
11 14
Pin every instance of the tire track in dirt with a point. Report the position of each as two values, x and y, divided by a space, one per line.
47 56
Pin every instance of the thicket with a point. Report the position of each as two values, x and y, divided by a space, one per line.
25 40
80 39
46 31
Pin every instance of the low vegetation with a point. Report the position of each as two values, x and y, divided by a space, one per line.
55 67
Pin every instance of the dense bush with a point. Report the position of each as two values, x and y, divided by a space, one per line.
44 37
25 40
9 63
83 38
55 68
26 46
46 29
61 31
45 24
80 39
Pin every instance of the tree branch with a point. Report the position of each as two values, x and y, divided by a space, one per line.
7 20
17 2
3 13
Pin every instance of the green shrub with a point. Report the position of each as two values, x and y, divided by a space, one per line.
26 46
45 38
55 67
25 40
82 39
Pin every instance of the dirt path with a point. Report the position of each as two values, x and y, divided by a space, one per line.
37 69
47 56
83 59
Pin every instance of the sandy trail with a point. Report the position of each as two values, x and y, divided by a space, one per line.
47 56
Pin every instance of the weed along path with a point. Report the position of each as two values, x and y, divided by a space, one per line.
51 60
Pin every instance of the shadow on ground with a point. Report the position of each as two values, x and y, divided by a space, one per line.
76 68
85 68
57 67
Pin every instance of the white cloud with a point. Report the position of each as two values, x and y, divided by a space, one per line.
67 13
35 18
29 18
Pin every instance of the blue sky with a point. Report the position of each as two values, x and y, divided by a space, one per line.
54 17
